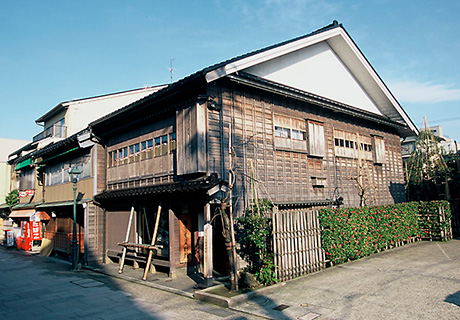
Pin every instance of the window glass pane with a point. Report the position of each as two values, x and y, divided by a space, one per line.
143 145
172 141
282 132
150 143
298 134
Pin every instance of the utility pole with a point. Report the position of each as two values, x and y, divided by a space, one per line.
171 69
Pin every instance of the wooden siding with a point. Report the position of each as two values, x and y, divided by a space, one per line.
287 175
142 169
94 229
64 191
191 139
100 168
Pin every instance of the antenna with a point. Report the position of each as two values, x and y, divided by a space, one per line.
171 69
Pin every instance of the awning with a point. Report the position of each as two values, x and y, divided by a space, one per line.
61 203
26 205
43 215
175 188
28 213
4 206
23 164
21 213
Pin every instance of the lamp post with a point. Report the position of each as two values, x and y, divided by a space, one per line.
74 175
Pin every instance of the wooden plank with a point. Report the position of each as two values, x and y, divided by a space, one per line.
128 230
172 249
154 237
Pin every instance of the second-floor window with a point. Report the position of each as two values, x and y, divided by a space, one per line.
146 149
134 150
59 173
290 133
27 179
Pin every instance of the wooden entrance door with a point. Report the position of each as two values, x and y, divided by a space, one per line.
185 238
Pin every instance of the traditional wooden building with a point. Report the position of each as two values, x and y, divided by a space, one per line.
307 121
42 168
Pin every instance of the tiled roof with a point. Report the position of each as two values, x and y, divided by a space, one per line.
204 71
160 189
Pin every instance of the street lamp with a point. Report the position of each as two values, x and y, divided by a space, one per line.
74 175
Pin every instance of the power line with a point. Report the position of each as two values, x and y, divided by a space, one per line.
442 120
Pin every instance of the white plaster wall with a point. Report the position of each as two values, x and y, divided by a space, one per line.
318 70
81 113
7 146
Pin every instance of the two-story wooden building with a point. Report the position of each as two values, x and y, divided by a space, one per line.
307 121
43 168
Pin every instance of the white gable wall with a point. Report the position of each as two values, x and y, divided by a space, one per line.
318 70
84 111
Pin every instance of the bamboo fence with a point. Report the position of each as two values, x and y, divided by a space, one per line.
297 243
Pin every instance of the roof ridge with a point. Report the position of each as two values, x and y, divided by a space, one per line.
333 25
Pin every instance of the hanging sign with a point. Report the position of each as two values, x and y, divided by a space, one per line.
26 193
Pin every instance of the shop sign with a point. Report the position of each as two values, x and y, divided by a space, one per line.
26 193
36 230
9 238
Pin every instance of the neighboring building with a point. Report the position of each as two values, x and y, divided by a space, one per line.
43 165
7 184
7 176
447 145
306 122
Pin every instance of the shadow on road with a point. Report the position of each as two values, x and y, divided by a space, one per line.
454 298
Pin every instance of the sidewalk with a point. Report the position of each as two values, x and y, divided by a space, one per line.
418 281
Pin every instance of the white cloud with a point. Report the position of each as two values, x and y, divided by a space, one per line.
424 92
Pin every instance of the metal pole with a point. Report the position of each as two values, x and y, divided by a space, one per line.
74 232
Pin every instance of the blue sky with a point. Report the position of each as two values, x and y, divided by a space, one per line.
54 51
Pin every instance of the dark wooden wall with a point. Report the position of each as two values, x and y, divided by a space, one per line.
284 175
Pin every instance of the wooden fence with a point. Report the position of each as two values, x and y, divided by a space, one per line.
297 242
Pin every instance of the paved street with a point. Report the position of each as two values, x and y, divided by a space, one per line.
35 287
418 281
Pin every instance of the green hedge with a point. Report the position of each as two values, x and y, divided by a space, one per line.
352 233
435 220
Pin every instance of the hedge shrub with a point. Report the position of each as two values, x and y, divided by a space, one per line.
435 220
352 233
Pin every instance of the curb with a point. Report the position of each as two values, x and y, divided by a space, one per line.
205 296
142 282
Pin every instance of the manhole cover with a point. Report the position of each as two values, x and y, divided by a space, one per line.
281 307
88 283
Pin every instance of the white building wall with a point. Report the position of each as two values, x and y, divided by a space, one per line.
81 113
318 70
7 146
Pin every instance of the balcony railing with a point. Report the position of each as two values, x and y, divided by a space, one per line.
56 131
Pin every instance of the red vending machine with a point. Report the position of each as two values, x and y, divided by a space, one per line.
30 232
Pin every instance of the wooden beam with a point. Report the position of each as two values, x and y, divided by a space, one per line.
128 230
149 259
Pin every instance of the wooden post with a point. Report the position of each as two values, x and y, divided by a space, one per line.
149 259
208 266
172 240
123 256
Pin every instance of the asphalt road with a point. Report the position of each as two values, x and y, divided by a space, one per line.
35 287
417 281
